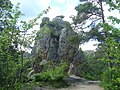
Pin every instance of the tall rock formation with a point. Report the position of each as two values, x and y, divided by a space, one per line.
55 41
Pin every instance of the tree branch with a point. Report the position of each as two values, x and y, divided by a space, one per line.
89 24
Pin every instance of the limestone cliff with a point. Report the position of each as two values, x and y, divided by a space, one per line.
55 41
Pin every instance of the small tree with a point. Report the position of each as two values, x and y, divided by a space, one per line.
12 38
111 77
9 54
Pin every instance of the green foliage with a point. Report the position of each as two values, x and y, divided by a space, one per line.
89 15
10 57
74 39
85 11
12 39
91 67
114 4
109 47
110 79
52 76
87 8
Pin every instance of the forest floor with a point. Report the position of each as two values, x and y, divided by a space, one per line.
77 83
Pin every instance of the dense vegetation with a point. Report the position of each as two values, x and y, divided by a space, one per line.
91 68
12 39
107 54
102 64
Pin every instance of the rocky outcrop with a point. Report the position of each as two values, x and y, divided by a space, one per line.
55 41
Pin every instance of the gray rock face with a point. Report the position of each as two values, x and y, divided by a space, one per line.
56 41
67 48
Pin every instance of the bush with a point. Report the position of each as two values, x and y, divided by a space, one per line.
111 79
91 68
53 77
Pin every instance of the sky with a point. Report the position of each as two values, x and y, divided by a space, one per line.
31 8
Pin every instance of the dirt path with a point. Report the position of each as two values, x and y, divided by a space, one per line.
77 83
77 87
85 85
82 87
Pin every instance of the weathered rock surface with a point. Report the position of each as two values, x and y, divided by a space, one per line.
56 41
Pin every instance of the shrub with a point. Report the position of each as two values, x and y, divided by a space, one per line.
90 68
111 79
53 77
